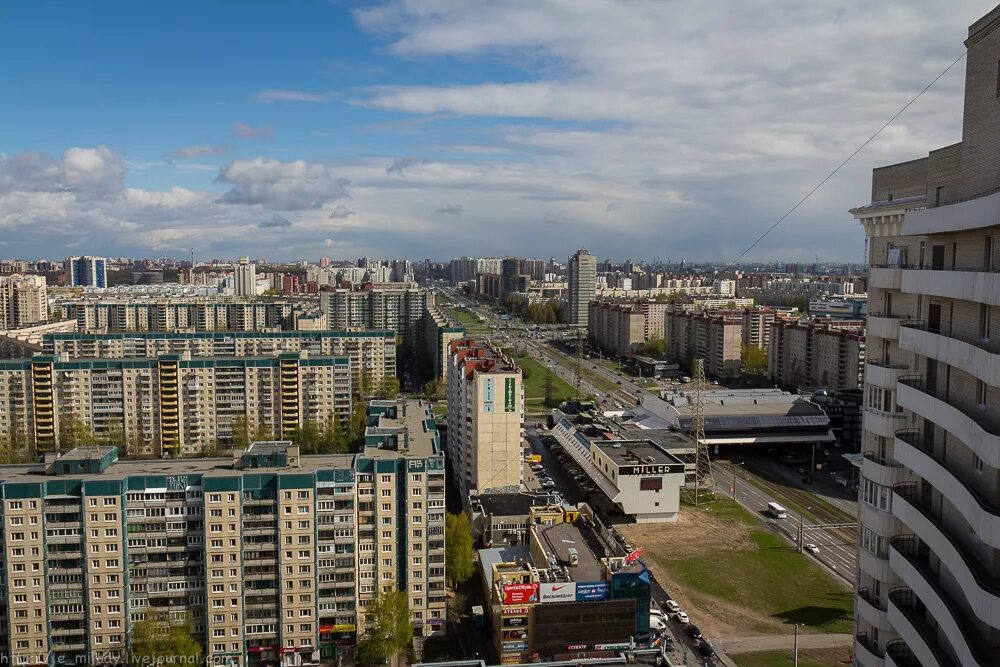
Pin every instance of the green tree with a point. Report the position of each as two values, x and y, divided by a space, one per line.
432 389
74 432
458 554
753 360
156 640
655 347
388 388
388 628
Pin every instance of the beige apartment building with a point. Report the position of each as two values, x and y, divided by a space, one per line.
179 314
828 354
176 403
439 332
714 337
621 327
23 301
272 555
372 354
485 417
929 554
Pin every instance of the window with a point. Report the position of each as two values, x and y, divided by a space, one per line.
984 321
651 484
981 394
977 463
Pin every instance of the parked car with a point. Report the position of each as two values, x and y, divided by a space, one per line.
672 606
705 649
693 632
682 617
812 548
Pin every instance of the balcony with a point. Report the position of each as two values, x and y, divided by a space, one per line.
909 618
883 326
871 610
969 427
898 654
973 212
885 277
968 285
880 469
883 423
926 591
918 455
866 652
884 375
977 356
981 590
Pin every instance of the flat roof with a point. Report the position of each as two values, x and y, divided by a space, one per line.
411 424
505 504
87 453
559 538
634 452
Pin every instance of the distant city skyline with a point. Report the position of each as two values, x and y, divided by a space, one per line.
348 128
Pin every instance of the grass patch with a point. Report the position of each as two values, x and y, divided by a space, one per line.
816 657
771 580
534 386
440 408
470 321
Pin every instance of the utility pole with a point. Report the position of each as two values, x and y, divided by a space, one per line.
702 463
795 647
578 369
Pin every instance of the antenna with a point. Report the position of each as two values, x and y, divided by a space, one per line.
702 462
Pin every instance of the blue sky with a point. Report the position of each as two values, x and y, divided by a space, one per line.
448 127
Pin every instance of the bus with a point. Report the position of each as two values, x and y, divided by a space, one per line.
776 510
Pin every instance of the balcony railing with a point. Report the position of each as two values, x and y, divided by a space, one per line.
901 654
989 345
904 599
919 383
872 647
865 594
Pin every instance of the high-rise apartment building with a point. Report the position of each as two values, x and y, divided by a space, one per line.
621 327
23 301
86 271
274 555
439 332
929 558
715 338
582 286
827 354
246 278
485 417
372 354
400 310
179 404
174 314
464 269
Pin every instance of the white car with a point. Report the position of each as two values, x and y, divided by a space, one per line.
682 617
812 548
672 606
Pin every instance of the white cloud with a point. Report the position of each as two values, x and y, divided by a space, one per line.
279 95
281 185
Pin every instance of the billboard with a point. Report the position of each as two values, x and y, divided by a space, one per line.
591 591
520 593
508 395
514 646
516 611
488 395
564 592
632 557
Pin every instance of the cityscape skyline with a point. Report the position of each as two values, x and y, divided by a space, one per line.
382 129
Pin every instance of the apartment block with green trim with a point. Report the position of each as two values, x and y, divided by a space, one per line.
272 555
176 403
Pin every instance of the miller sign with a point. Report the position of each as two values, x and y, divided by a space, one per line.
565 592
655 469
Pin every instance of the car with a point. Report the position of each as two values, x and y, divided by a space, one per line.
548 484
537 467
693 632
705 649
682 617
657 623
812 548
672 606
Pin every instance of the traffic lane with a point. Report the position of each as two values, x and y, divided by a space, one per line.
838 556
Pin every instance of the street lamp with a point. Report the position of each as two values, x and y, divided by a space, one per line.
734 464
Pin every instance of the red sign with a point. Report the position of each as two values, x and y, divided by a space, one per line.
632 557
520 593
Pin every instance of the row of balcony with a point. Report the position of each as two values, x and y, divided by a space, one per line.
969 285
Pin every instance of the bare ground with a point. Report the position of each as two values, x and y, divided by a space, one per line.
699 534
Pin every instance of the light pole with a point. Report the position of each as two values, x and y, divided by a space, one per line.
735 463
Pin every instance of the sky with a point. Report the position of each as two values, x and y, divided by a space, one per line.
668 129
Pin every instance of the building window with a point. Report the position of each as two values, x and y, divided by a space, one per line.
981 394
977 463
984 321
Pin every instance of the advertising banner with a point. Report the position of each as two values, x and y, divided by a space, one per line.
611 647
516 611
632 557
508 395
520 593
515 646
488 395
565 592
592 590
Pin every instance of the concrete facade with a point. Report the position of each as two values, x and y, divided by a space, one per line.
582 286
821 354
23 301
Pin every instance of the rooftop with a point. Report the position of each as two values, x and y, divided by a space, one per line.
401 427
505 504
636 452
558 539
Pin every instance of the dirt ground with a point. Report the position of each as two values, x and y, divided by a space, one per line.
699 534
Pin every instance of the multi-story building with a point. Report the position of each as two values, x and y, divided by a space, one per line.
372 354
582 286
485 417
621 327
179 314
86 272
714 337
273 555
930 528
464 269
176 403
246 278
757 327
23 301
828 354
439 331
398 309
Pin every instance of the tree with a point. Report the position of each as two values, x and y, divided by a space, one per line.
655 347
388 388
74 432
431 389
753 360
458 554
388 628
156 640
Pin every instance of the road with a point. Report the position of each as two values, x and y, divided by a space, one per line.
838 553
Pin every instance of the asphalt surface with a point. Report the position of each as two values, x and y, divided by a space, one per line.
838 556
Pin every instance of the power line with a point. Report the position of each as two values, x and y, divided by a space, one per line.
842 164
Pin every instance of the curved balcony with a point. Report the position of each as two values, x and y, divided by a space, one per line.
866 652
885 277
969 427
872 610
915 572
884 375
918 455
898 654
881 470
883 423
908 617
981 590
978 286
874 566
882 522
975 356
883 326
